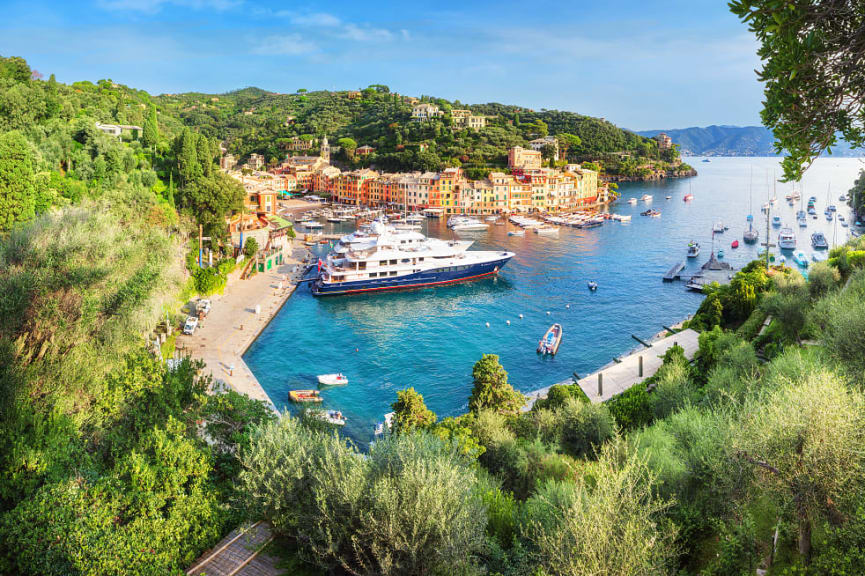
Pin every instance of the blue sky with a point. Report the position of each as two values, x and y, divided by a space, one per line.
642 65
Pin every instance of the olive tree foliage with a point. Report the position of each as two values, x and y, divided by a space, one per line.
410 507
813 55
608 521
804 438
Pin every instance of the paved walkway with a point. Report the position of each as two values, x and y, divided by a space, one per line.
616 378
233 324
239 554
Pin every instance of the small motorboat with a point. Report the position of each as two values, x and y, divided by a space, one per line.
776 221
818 241
491 218
652 212
688 197
706 160
385 425
549 344
720 254
516 232
718 228
667 197
646 197
801 259
734 244
332 379
547 231
305 396
632 200
333 417
592 285
842 198
693 249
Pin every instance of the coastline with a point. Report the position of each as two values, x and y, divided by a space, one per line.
233 324
540 393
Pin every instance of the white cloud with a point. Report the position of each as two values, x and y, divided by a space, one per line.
321 19
365 33
153 6
284 45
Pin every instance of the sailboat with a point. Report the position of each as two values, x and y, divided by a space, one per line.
750 236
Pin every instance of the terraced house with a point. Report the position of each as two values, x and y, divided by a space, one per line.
525 189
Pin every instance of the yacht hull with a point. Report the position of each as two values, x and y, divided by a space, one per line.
422 279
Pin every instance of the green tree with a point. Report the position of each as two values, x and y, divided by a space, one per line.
410 507
410 412
608 521
814 85
804 441
17 181
250 247
150 135
348 146
491 389
568 143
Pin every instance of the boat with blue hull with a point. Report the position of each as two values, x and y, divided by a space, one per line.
380 258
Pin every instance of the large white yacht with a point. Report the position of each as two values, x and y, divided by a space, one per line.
379 257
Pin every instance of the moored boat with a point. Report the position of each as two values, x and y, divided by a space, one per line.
592 285
818 241
516 232
688 197
304 396
786 239
332 379
549 344
693 249
378 258
734 244
801 259
646 197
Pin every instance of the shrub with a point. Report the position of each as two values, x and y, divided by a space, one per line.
559 394
585 427
606 522
632 409
250 247
822 278
491 389
673 390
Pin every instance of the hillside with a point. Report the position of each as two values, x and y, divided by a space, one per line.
733 141
253 120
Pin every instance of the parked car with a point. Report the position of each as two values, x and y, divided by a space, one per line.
203 307
191 325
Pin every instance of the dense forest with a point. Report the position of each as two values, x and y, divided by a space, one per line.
115 462
252 120
103 469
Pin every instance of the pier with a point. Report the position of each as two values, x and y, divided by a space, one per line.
630 370
238 316
675 272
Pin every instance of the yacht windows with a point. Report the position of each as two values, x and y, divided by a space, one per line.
392 262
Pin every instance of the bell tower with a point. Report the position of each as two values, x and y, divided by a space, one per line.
325 150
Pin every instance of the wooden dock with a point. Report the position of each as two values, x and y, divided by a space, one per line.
239 554
675 272
632 369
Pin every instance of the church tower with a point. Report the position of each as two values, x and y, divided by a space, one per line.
325 150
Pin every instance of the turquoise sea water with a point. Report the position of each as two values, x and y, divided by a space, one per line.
429 339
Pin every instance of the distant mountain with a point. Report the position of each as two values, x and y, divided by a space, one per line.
732 141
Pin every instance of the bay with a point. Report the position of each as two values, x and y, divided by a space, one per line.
430 339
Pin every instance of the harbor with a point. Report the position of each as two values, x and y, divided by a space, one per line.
429 339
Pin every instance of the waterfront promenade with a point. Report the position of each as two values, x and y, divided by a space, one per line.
620 376
234 323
